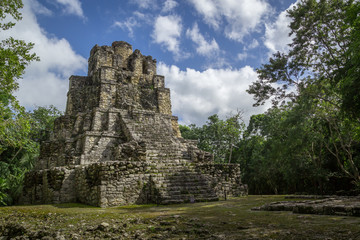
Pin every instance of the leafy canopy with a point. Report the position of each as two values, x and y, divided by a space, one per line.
17 149
217 136
315 89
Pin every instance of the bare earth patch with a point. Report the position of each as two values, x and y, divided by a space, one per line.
231 219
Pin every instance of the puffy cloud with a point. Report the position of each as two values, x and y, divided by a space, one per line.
167 32
277 34
169 5
72 7
129 24
45 82
203 47
210 11
240 17
196 95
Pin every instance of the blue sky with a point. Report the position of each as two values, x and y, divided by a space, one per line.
207 50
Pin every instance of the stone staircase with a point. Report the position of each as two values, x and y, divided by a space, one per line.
173 175
186 185
119 138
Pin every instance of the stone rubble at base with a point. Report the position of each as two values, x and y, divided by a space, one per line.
119 144
321 205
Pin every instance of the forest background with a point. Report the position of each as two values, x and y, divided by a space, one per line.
307 142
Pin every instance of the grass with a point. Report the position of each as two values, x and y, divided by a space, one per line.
231 219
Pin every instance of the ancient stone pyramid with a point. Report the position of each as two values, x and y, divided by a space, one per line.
118 142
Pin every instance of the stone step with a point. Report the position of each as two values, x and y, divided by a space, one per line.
172 177
187 195
161 159
191 176
189 191
167 149
189 199
185 184
164 154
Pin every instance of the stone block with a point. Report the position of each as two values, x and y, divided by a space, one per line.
118 142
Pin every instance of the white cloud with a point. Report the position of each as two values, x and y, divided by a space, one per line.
210 11
203 47
196 95
129 24
242 56
140 15
240 18
137 19
167 32
169 5
38 8
253 44
277 33
72 7
44 82
145 4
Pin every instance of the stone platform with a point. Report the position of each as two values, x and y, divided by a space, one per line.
118 142
322 205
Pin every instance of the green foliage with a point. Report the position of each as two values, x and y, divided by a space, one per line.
20 132
217 136
308 138
3 188
42 121
14 57
232 219
9 7
350 83
20 157
318 53
279 153
189 132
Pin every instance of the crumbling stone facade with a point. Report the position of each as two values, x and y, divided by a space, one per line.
118 142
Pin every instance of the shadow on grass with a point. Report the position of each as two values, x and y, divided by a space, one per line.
73 205
144 206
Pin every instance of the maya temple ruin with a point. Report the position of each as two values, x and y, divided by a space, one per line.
119 144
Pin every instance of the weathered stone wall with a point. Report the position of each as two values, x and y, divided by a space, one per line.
226 178
115 56
118 142
164 101
133 182
112 183
82 95
55 185
175 126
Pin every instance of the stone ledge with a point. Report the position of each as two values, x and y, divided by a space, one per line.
122 111
322 205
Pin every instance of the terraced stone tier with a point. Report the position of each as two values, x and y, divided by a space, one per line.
118 142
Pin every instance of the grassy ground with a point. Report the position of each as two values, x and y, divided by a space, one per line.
231 219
